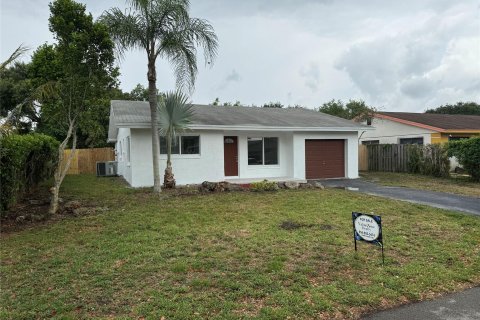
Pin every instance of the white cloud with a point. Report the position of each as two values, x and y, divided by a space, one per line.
400 55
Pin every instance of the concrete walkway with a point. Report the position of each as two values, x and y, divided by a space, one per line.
458 306
435 199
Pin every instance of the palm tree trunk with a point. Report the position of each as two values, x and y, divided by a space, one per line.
152 98
168 178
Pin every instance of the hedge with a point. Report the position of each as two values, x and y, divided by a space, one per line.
25 161
468 154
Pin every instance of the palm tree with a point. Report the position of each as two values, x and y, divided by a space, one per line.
21 50
163 28
176 114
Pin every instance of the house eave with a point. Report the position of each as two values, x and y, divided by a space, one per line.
251 128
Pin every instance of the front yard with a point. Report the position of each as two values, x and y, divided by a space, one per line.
226 256
456 184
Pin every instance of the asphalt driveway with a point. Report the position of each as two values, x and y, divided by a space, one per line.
435 199
458 306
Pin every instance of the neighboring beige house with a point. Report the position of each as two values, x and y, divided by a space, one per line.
419 128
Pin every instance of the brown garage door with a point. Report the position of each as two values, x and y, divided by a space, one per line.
324 159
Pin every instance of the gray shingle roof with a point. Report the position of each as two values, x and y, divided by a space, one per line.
137 113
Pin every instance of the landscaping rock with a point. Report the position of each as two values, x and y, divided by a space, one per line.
236 187
318 185
292 184
81 211
281 185
305 186
215 186
70 206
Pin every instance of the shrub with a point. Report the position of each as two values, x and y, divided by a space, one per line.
468 154
430 160
264 185
25 160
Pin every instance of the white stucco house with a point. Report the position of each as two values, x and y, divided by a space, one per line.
238 144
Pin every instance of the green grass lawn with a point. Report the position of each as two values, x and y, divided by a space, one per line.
456 184
224 256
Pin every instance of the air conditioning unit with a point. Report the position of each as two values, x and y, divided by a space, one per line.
107 169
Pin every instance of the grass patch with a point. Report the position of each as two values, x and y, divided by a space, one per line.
224 256
455 184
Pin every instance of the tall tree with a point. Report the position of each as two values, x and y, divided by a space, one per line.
79 67
458 108
352 110
273 105
139 93
176 114
162 28
15 90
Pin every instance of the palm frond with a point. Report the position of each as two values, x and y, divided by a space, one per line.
21 50
175 114
179 46
127 29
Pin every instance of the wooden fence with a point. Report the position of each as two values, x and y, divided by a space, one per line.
85 160
388 157
430 159
362 158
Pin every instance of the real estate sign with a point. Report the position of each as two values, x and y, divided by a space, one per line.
368 228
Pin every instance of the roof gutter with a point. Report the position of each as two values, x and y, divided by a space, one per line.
251 128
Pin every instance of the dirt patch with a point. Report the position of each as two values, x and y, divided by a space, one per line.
292 225
32 210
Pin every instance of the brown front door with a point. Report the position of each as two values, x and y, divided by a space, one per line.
324 159
230 156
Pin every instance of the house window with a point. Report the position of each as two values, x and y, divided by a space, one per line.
190 145
367 142
127 146
411 140
457 138
175 145
263 151
181 145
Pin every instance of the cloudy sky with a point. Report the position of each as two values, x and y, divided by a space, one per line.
404 55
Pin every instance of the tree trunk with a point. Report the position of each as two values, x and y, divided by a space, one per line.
168 178
152 98
60 172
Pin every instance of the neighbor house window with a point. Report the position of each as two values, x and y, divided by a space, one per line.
411 140
367 142
263 151
181 145
457 138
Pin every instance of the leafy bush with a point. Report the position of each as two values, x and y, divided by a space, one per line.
430 160
468 154
25 160
264 185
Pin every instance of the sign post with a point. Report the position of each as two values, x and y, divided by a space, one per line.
368 228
